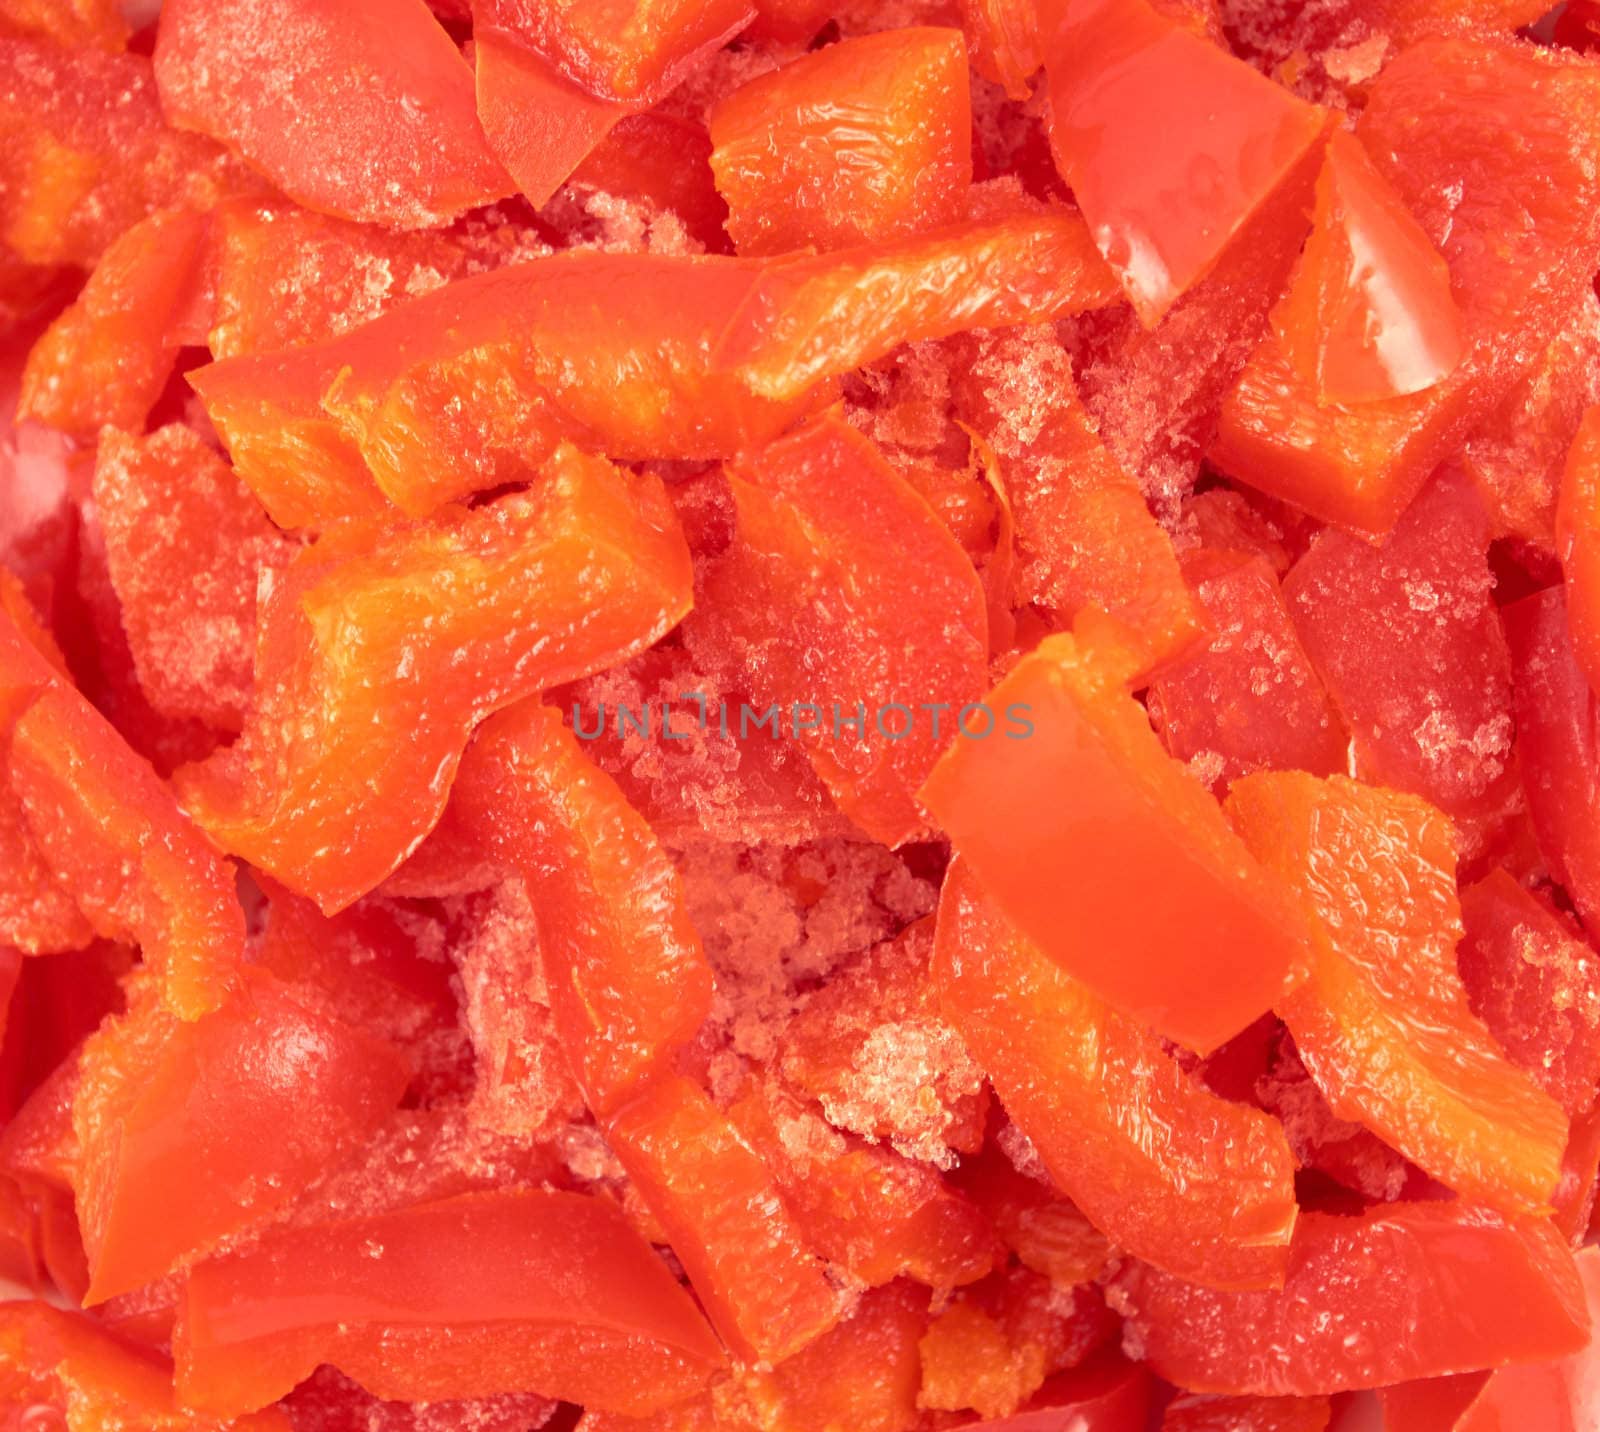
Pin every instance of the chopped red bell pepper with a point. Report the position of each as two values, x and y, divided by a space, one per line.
800 169
1249 700
1535 981
513 1290
1168 142
185 545
1382 1019
629 986
1521 253
1402 1291
97 23
533 589
666 161
1003 36
57 1365
1107 1395
1109 856
293 92
162 1105
107 358
1558 745
830 541
761 1284
1211 1198
1407 638
1194 1413
1369 313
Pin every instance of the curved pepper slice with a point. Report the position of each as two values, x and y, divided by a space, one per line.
762 1286
1406 635
1382 1021
1536 983
1110 857
105 825
294 90
515 1290
1369 313
1250 699
1515 128
665 160
1190 1413
1163 1167
1141 106
843 599
471 386
162 1106
85 153
1084 533
815 316
185 543
860 141
1558 745
1402 1291
629 985
357 727
1517 456
58 1361
107 358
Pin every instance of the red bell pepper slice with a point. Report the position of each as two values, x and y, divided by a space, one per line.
106 827
185 544
1558 745
843 599
162 1105
1369 313
533 589
1250 699
1083 531
1406 635
1003 36
608 350
107 358
1212 1198
1535 981
1109 856
1191 1413
860 141
811 317
1519 453
512 1290
86 154
761 1284
1140 106
1521 255
1106 1396
629 985
1382 1020
290 92
1402 1291
56 1365
664 160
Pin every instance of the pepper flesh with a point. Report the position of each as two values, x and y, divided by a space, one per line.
1166 1169
1110 857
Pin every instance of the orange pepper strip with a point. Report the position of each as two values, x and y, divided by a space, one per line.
1209 1197
163 1106
1141 105
1517 128
294 90
1382 1021
106 827
357 726
1402 1291
629 985
1110 857
814 316
473 385
843 597
510 1290
763 1287
858 142
50 1359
